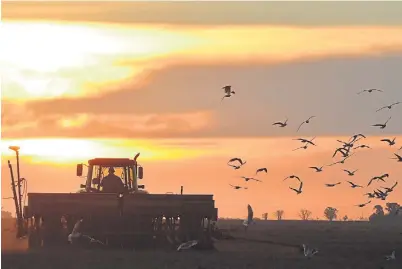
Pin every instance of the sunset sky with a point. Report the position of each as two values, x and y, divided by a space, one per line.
101 79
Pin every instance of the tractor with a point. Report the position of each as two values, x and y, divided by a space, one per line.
132 218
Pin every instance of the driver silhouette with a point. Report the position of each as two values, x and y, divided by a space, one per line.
112 183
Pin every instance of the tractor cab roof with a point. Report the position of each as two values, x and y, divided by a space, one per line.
112 161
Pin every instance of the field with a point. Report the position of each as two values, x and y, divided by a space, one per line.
341 245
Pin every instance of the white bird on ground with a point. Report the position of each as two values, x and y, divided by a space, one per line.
187 245
75 234
250 216
390 257
309 252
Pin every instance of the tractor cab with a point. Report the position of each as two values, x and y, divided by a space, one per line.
127 169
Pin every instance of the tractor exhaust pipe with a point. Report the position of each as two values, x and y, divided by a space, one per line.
17 207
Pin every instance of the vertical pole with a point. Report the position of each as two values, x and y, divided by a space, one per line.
19 182
181 190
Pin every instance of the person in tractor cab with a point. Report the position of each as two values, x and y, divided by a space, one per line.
112 183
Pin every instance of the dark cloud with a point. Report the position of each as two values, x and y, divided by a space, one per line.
264 94
317 13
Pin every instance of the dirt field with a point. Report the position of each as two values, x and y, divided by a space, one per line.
342 245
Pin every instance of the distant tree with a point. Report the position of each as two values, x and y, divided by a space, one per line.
265 216
305 214
279 214
331 213
345 218
393 208
5 214
378 214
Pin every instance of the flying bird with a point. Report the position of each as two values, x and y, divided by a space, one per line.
281 124
390 189
356 137
343 151
342 161
237 187
378 178
292 176
370 90
398 157
306 121
317 169
261 170
298 191
251 178
389 106
350 173
228 89
362 146
75 234
362 205
332 184
303 147
370 195
390 142
382 125
306 141
353 185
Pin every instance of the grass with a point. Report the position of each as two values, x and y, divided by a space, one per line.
342 245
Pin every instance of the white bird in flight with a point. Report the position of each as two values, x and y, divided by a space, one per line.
309 252
250 216
75 234
390 257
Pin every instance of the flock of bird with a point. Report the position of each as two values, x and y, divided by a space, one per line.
346 150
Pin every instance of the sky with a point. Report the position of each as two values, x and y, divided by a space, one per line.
84 80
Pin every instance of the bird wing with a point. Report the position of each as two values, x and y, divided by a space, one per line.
386 140
351 183
300 126
381 108
301 185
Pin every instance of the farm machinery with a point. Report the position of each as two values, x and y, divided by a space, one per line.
130 218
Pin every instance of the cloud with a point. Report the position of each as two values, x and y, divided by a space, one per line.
264 94
316 13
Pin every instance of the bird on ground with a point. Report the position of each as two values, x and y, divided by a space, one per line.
353 185
382 125
238 187
350 173
370 91
306 121
390 142
390 257
187 245
306 141
292 176
362 205
332 184
281 124
309 252
75 234
261 170
317 169
390 189
389 106
398 157
250 178
378 178
298 191
250 216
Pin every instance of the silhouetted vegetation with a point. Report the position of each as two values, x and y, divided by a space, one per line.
331 213
279 214
5 214
265 216
305 214
393 213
